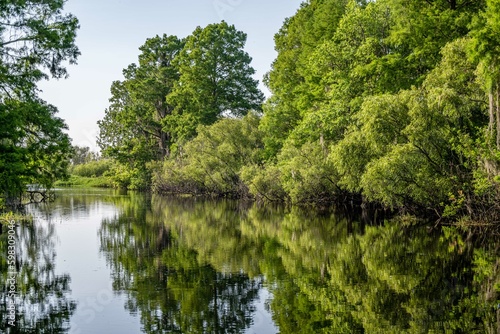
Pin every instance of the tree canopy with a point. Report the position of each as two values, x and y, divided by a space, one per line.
36 41
177 85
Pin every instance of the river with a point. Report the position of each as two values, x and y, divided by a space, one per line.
103 261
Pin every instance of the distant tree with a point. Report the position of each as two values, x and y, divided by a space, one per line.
82 154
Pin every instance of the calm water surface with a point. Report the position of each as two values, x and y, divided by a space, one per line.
101 261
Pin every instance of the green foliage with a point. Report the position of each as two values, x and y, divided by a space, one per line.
81 155
415 147
212 161
389 92
351 93
177 86
86 182
136 178
392 101
92 168
34 147
132 128
485 44
306 175
264 183
314 23
215 80
36 38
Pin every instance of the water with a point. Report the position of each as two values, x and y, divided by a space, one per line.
101 261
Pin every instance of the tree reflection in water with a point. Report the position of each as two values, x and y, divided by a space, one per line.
191 266
168 283
42 304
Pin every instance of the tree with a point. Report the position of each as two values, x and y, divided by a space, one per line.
176 86
314 23
82 155
215 80
36 38
416 146
33 145
138 104
150 83
212 161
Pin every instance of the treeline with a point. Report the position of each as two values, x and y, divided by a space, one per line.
389 101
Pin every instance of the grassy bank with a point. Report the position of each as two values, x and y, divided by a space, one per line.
95 173
85 181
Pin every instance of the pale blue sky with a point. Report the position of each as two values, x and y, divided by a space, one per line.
112 31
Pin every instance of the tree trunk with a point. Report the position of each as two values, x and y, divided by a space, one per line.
164 142
497 114
491 108
490 165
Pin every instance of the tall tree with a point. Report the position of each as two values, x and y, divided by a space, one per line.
138 103
176 86
150 83
314 23
36 39
215 80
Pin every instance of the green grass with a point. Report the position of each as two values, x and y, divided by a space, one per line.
83 181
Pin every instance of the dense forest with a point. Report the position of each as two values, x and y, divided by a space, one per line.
394 102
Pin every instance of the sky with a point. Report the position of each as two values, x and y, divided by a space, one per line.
111 32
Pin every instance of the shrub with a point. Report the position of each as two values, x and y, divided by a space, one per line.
92 168
211 162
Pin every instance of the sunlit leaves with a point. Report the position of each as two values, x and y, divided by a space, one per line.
215 79
212 161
